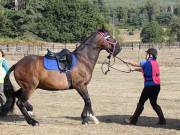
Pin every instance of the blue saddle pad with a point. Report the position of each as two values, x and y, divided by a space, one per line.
51 64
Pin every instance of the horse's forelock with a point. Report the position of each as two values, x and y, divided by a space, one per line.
102 30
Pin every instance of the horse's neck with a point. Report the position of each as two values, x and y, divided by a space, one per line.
88 52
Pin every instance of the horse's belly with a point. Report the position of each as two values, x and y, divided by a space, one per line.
53 81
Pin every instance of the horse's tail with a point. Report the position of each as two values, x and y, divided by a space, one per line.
9 93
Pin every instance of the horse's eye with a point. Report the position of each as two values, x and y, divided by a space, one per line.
108 39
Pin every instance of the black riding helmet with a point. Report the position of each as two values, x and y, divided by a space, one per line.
152 51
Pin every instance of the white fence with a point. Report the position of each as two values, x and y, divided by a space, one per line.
15 52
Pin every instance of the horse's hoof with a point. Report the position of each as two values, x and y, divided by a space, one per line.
84 122
93 118
33 122
96 122
36 124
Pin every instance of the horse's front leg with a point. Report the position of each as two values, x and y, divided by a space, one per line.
87 107
29 108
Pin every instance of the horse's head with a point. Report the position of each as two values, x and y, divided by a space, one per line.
107 42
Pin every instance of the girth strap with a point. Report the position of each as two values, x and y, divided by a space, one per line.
69 79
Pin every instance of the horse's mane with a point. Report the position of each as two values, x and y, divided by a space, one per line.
83 43
86 38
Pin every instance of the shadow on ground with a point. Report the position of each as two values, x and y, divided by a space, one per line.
118 119
11 118
143 121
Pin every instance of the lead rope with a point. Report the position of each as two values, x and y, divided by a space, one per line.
109 65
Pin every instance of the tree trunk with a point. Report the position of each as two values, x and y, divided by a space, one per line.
16 4
19 4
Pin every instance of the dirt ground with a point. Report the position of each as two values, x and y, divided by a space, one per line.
114 98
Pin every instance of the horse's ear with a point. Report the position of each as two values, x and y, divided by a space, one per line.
103 27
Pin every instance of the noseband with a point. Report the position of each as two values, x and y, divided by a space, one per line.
107 42
109 65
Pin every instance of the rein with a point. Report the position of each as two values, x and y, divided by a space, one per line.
109 65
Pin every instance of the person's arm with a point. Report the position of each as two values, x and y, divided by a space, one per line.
132 63
139 69
5 65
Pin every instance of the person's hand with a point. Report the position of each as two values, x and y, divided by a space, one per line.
132 69
126 61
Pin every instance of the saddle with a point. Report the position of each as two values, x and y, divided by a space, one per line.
63 59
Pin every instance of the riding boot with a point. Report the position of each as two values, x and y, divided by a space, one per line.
134 118
158 110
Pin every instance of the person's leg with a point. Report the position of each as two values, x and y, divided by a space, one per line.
140 106
155 106
2 96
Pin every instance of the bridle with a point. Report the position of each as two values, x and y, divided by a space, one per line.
107 42
108 64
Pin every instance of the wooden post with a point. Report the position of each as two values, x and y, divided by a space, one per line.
53 46
139 46
132 46
7 48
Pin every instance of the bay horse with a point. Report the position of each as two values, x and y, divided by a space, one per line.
30 74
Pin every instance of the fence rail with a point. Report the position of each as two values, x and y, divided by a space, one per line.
20 50
148 45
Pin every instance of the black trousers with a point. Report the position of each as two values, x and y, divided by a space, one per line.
151 93
2 96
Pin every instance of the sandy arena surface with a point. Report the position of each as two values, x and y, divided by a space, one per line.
114 98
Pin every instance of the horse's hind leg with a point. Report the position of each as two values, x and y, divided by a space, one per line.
22 104
28 106
87 107
24 111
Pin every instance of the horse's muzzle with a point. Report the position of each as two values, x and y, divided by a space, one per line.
117 49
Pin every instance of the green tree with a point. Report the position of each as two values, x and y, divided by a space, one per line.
177 11
2 18
153 8
175 25
175 29
71 20
134 17
178 36
152 33
164 18
103 8
51 20
122 14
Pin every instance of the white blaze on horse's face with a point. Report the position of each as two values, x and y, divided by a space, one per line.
108 43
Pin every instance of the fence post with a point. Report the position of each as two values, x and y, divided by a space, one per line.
53 46
132 46
139 46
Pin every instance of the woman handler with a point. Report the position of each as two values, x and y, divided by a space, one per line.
3 70
151 73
